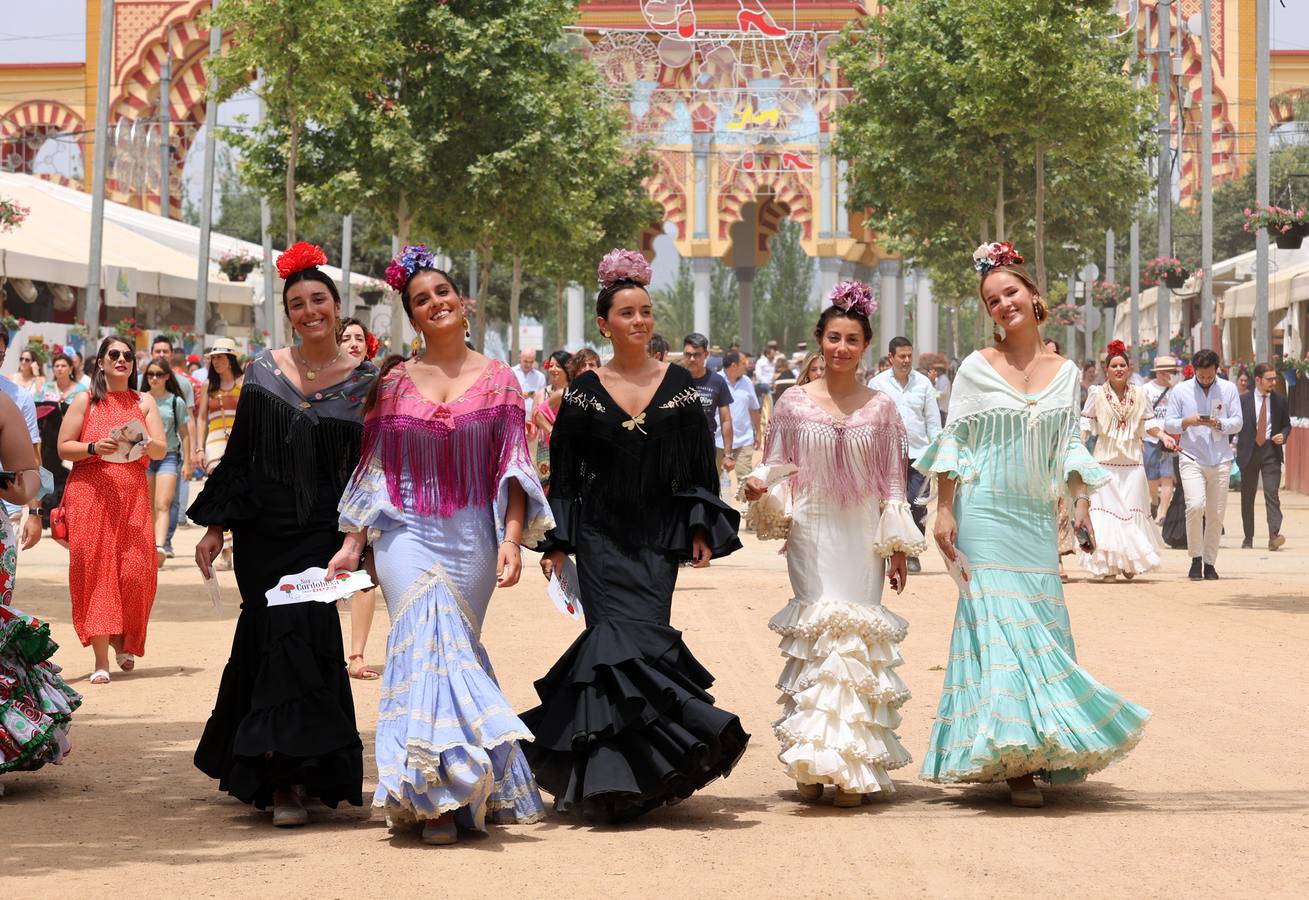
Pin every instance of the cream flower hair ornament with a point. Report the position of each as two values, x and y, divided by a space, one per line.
999 253
623 265
855 297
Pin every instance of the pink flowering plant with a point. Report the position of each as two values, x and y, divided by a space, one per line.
855 297
1275 219
1166 269
1065 314
1108 294
12 214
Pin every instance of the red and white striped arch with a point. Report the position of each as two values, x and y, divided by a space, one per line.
48 115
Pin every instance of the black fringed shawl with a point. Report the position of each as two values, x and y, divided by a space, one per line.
631 473
301 442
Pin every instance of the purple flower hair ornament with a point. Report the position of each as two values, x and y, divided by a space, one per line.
412 258
623 265
855 297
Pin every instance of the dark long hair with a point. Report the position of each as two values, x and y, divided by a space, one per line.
836 312
170 381
215 383
99 382
387 365
561 358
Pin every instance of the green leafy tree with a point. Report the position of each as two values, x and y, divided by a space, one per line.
782 289
314 57
959 132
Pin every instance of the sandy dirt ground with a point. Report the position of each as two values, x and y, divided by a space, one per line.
1215 800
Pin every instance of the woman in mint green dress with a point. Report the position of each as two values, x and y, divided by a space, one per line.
1016 705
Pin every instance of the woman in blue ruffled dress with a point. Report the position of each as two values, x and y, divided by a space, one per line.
447 491
1016 705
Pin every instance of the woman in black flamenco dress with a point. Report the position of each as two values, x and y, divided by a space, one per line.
283 725
625 723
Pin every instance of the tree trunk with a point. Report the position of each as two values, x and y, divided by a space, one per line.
1038 238
999 201
292 159
561 313
515 292
403 222
485 258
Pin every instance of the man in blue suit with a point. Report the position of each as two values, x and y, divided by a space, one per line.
1265 427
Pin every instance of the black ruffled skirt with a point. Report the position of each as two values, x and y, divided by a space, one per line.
284 715
626 723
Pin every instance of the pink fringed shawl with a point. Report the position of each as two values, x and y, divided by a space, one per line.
453 455
850 460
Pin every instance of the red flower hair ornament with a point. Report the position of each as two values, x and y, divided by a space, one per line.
991 256
298 257
1115 348
371 344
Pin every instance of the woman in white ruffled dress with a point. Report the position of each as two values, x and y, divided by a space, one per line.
832 484
1127 541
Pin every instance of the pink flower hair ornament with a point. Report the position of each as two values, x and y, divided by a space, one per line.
855 297
998 253
623 265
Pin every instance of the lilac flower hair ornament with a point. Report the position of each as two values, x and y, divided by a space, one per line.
623 265
855 297
412 258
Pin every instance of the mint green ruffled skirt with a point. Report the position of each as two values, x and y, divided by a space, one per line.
1015 701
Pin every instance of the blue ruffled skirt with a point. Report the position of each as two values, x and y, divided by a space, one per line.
447 739
1015 701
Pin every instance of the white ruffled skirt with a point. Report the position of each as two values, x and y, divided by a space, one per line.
840 693
1127 541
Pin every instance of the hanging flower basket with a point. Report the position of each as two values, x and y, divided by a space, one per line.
1288 227
39 349
1108 294
11 324
1065 314
237 266
1166 270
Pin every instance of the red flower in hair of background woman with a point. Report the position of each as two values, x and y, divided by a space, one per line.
298 257
371 345
1189 371
1116 348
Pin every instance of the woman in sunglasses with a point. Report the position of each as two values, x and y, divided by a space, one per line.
163 474
28 377
107 505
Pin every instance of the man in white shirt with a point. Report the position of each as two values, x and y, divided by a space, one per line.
765 369
1206 411
1158 461
531 380
915 398
744 412
31 528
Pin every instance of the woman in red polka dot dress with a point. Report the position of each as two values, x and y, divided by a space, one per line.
111 564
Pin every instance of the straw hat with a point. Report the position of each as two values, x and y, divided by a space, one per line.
1165 364
223 345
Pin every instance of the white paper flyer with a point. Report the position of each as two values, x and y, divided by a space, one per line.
564 591
310 585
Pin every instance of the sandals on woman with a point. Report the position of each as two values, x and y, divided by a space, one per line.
360 671
126 661
100 676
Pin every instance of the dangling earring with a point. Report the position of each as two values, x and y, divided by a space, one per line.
607 335
416 345
1038 310
996 335
467 330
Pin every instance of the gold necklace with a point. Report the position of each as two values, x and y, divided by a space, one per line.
310 372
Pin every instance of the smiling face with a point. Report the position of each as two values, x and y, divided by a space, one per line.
558 377
354 341
312 310
435 308
843 344
1008 300
630 321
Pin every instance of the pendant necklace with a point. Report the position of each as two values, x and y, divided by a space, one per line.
310 372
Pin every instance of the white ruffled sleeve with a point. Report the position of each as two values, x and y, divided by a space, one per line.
897 532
